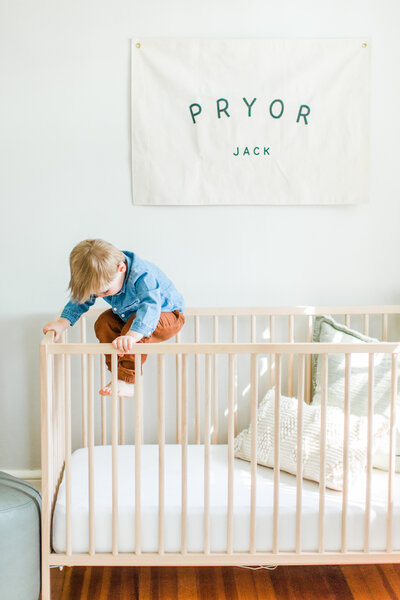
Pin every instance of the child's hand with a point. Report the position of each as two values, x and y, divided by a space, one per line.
58 327
125 342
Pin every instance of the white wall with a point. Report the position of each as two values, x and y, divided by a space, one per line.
65 176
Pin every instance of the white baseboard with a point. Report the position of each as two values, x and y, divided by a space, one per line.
24 473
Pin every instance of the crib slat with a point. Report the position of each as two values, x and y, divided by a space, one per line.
367 522
62 417
253 496
275 533
197 381
291 357
138 448
392 451
309 359
215 328
272 340
215 387
366 324
84 384
178 392
184 456
384 327
114 451
58 394
52 428
253 328
207 425
347 320
234 329
215 427
234 340
299 478
161 451
91 453
122 421
67 393
103 401
321 511
347 371
231 427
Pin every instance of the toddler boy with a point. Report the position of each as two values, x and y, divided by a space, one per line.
145 305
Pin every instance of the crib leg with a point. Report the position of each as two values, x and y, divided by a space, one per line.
46 593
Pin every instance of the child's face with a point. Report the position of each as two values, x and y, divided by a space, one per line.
115 285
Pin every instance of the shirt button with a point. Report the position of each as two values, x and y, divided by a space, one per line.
122 315
114 309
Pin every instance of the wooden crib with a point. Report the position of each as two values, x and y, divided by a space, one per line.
196 392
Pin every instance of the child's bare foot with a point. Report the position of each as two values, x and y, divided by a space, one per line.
125 389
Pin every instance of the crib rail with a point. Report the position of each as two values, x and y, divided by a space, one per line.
235 348
288 371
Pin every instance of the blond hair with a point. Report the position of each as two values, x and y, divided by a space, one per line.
93 265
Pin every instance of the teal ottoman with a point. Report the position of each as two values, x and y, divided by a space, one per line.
19 539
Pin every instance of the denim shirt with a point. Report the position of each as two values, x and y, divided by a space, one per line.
146 291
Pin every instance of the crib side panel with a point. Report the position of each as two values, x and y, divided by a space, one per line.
204 396
233 358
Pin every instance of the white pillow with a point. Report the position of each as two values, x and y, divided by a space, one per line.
327 330
311 440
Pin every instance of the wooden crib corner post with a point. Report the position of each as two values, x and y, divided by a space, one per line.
45 391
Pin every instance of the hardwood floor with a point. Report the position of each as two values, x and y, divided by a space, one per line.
365 582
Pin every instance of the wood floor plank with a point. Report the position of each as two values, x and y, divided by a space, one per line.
316 582
155 593
279 581
378 583
68 571
244 581
56 582
95 585
392 574
263 585
168 585
187 583
210 583
105 575
387 584
86 583
219 582
229 583
128 584
144 583
337 582
115 583
76 582
365 582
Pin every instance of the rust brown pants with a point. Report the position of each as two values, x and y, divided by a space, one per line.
109 326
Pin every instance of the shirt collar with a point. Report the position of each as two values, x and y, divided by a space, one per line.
127 273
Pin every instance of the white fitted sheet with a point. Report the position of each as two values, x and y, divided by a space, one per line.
218 505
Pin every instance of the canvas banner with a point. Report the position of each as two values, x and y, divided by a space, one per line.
247 121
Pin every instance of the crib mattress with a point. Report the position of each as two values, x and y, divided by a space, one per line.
218 505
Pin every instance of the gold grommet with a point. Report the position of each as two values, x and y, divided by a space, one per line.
138 45
364 45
